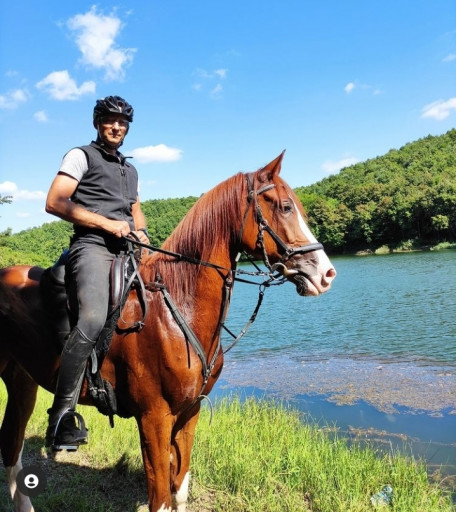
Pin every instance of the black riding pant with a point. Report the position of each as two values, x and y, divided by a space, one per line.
88 282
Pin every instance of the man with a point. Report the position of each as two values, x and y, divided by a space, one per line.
96 189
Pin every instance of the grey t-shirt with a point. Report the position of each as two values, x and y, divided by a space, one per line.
74 163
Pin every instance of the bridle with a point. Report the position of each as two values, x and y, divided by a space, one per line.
263 225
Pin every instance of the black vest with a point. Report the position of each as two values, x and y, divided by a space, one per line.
109 187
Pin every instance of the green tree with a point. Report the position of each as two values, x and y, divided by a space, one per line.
329 221
440 223
5 199
394 197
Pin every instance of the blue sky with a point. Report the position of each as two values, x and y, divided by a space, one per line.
219 87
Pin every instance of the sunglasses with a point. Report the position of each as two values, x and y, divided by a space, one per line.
110 121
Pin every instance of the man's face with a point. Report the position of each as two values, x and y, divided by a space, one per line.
113 129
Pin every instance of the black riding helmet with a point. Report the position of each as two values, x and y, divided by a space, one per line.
112 105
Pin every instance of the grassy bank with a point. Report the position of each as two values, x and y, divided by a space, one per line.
406 246
254 456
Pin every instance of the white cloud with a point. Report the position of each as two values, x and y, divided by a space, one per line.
8 188
60 86
202 73
349 87
331 167
29 195
221 73
95 38
439 109
209 78
449 58
207 75
41 116
216 90
12 99
159 153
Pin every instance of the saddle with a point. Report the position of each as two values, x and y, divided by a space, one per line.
123 276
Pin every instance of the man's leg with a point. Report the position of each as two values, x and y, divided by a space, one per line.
74 358
89 267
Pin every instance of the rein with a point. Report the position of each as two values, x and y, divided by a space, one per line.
229 282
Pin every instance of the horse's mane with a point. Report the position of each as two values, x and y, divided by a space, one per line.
210 219
214 219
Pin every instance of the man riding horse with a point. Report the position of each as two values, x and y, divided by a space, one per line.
96 189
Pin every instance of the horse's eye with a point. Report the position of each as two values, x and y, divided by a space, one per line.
286 207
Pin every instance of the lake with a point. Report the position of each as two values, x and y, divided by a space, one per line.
376 355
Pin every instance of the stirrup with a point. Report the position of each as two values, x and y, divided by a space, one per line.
69 437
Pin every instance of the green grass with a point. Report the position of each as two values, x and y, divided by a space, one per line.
258 456
254 456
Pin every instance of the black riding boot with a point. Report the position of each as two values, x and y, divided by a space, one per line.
66 428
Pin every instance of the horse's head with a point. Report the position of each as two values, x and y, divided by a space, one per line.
275 230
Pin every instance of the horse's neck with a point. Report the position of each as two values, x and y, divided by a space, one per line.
207 233
198 291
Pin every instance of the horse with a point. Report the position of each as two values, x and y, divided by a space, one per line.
159 373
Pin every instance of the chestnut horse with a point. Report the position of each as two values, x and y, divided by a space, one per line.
158 375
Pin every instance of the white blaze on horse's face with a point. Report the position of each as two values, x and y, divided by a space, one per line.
320 280
304 227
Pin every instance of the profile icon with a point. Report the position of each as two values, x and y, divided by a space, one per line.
31 481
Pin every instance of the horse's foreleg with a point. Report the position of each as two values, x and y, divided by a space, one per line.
182 444
21 401
155 433
21 503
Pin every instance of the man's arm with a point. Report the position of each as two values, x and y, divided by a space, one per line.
140 222
58 203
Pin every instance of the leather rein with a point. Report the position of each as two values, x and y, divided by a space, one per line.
231 276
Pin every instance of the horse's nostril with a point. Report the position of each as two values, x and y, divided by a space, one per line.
329 276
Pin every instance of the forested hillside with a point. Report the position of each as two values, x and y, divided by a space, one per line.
404 198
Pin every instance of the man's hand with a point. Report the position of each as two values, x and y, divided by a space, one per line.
142 236
118 228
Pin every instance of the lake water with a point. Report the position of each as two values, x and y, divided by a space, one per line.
376 355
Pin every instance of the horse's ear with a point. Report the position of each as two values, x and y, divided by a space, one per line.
272 169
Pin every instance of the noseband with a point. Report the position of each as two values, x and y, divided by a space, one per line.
263 225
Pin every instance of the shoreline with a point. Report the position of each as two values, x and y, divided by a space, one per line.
390 387
403 247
